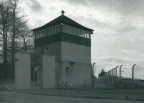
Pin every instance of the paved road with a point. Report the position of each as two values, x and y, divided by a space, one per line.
13 97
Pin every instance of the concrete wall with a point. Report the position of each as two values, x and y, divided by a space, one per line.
48 71
64 51
80 73
58 71
55 50
23 71
75 53
77 57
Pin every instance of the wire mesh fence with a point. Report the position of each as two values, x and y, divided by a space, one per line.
126 77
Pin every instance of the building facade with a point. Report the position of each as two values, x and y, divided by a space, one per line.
70 43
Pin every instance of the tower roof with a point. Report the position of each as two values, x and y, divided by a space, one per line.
65 20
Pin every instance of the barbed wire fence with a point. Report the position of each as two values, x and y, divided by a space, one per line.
125 78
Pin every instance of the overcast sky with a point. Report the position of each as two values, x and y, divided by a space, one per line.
118 26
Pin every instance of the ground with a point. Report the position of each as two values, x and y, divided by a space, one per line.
14 97
83 95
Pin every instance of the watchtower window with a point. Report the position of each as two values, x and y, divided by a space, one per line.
45 32
57 29
68 70
48 31
47 50
66 27
51 31
54 30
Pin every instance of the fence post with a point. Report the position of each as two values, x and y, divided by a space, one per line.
116 70
133 76
112 75
120 71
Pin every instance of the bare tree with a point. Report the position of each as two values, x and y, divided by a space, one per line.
4 25
13 30
19 28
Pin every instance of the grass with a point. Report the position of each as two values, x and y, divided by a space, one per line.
6 81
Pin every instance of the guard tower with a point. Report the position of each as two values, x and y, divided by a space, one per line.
70 43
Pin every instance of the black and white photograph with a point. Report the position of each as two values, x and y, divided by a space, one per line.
71 51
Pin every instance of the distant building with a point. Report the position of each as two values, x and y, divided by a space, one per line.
70 43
